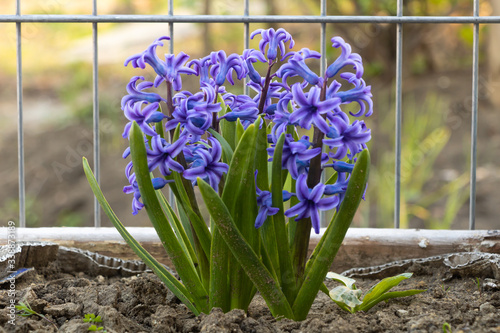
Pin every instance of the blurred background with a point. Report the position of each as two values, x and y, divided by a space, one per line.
437 76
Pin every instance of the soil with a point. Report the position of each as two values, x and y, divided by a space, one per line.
141 303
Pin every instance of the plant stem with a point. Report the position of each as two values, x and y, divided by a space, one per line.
170 104
263 94
215 122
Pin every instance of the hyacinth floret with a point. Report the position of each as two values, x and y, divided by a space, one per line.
274 39
136 93
264 201
202 68
361 94
222 67
162 155
206 164
311 202
143 116
346 58
281 117
243 108
339 187
296 154
346 137
168 69
311 108
158 183
297 66
249 57
194 112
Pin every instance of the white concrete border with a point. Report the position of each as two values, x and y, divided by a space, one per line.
422 237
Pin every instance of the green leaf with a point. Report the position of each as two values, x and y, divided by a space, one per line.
267 232
348 282
239 131
178 228
269 249
349 297
261 163
285 269
220 294
333 236
244 253
228 128
239 196
170 281
179 258
198 224
186 224
372 296
292 224
387 296
344 307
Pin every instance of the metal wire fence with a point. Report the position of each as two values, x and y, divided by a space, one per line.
399 20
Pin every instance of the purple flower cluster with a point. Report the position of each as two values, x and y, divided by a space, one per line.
288 105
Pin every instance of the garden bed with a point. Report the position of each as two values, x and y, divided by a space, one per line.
462 290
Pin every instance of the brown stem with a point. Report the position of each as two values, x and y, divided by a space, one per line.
170 103
263 94
170 106
215 121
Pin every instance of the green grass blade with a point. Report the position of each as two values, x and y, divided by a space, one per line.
239 196
383 286
239 131
333 237
266 260
178 227
285 271
170 281
269 249
157 217
220 294
387 296
199 235
292 224
244 253
181 213
261 163
200 228
228 128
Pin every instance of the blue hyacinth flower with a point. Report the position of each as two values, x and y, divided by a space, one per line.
206 164
168 69
273 39
311 202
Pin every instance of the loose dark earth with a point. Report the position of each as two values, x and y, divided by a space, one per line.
142 304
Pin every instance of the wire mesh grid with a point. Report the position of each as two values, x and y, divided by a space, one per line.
399 20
